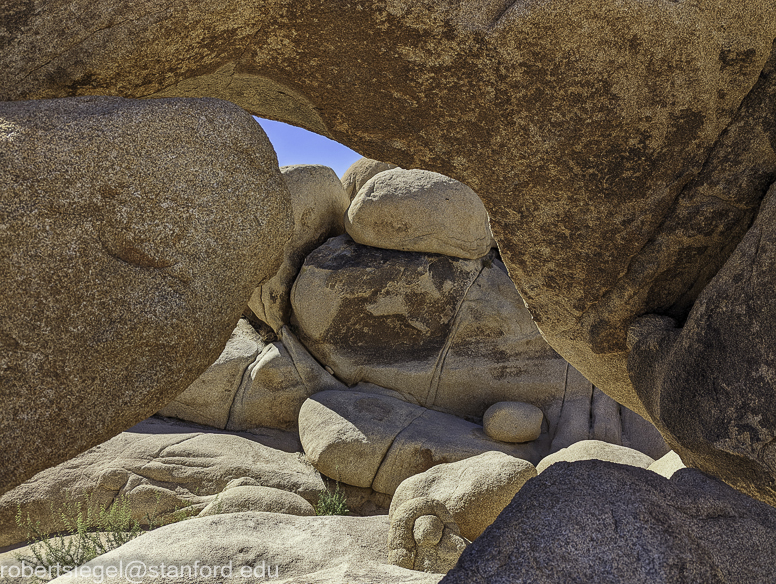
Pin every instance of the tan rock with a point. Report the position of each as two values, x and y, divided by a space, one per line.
257 498
496 354
352 302
276 385
586 413
424 536
160 468
437 438
474 490
418 210
346 434
325 547
667 465
318 202
446 333
130 260
376 440
360 172
596 450
208 400
513 422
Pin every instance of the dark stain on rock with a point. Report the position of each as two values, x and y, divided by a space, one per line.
687 125
122 246
737 59
15 17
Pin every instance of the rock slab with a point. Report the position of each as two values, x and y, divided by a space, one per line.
366 439
159 467
321 544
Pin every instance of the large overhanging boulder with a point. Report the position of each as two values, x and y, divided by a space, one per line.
132 235
621 148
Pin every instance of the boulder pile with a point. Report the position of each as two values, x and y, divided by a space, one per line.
409 378
399 353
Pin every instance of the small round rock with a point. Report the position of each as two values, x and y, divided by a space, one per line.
513 422
428 530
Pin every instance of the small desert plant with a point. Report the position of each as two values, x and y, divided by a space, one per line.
89 532
332 503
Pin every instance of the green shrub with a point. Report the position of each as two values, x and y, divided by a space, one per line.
332 503
89 531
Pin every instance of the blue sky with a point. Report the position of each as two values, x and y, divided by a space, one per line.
297 146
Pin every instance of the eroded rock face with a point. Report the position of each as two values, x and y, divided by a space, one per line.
721 365
446 332
595 521
209 399
160 468
275 386
132 233
365 439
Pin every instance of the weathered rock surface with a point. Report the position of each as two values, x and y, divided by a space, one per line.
418 210
445 332
359 173
257 498
361 310
318 202
208 400
718 365
126 261
159 467
513 422
449 334
424 536
474 490
555 114
365 439
667 465
596 450
597 522
247 390
276 385
320 543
